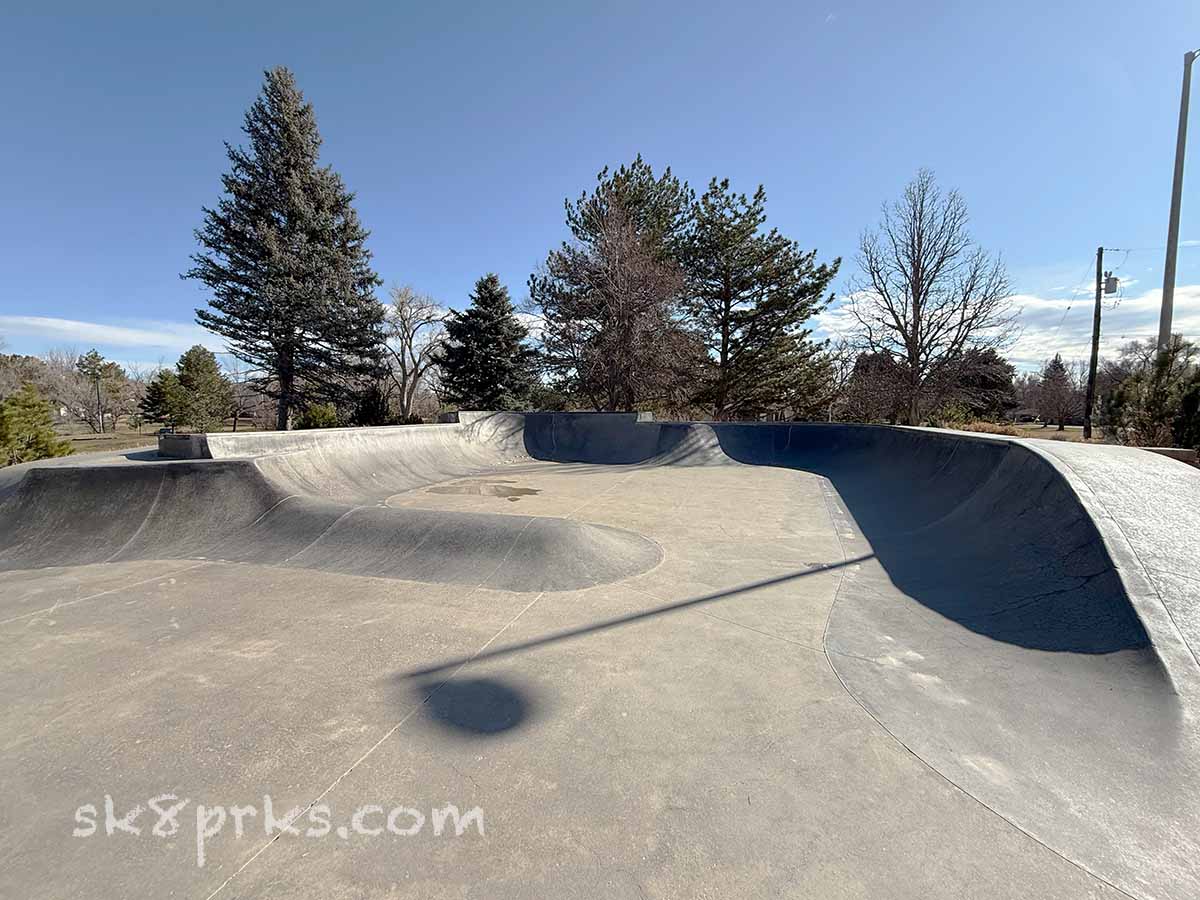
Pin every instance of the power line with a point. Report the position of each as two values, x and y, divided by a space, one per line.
1074 293
1182 246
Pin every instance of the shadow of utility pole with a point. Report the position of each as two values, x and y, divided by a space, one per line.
606 624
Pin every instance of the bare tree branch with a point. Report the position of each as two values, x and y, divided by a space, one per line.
415 332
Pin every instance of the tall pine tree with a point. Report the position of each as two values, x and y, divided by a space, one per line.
748 294
285 257
609 297
485 363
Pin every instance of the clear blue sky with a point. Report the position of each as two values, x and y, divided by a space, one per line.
463 126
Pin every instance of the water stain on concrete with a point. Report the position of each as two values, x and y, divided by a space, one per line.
493 487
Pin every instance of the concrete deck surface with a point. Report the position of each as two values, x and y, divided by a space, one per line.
761 680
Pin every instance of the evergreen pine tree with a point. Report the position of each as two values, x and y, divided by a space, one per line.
206 393
485 363
609 297
27 430
285 257
657 207
748 295
164 400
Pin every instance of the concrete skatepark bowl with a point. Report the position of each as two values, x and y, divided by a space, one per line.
659 660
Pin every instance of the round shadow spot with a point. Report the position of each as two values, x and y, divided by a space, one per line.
477 705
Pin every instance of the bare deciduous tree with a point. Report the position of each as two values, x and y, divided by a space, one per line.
415 332
926 292
839 357
138 376
247 398
69 392
91 389
16 370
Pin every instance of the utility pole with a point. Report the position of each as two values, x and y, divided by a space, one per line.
1168 293
1090 399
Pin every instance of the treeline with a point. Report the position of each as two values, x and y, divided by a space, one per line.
38 394
86 389
101 395
660 299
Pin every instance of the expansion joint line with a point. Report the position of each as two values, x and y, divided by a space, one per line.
298 813
61 605
608 490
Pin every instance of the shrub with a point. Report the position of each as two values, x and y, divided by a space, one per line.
318 415
1158 403
949 415
26 430
1186 427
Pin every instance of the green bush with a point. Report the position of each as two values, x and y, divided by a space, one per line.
1158 404
950 415
1186 427
26 429
318 415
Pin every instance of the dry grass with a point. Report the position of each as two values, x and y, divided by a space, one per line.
85 441
1072 433
989 428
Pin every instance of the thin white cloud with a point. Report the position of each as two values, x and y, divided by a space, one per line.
1057 329
834 322
167 336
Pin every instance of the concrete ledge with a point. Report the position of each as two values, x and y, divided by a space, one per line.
184 446
467 416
